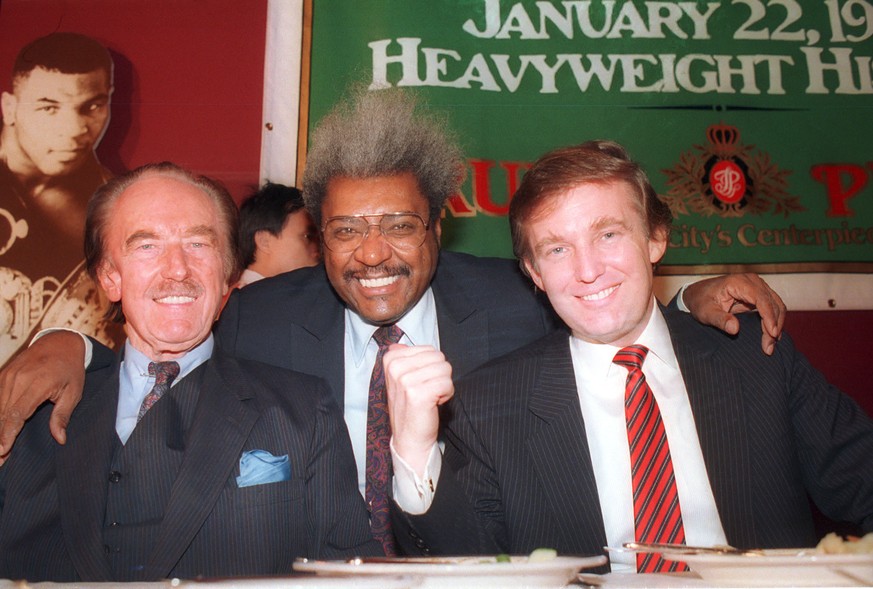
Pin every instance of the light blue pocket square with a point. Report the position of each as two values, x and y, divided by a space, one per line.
257 467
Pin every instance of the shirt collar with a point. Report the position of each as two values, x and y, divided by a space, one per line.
136 364
597 358
419 326
248 276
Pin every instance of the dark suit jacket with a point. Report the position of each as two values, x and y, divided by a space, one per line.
485 308
54 497
517 473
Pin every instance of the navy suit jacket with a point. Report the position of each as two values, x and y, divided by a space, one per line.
517 473
485 308
55 497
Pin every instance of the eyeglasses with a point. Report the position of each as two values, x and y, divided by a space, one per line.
402 231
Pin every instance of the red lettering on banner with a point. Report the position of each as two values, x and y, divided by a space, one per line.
483 200
460 206
832 176
512 177
482 189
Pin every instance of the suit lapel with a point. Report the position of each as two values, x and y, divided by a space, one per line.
463 328
222 424
715 394
82 490
561 441
320 351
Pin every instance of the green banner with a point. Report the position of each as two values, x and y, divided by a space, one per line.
754 118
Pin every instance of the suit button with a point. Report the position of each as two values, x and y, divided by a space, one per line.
421 544
114 476
114 524
107 548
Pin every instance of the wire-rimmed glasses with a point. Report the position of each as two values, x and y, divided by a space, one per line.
402 230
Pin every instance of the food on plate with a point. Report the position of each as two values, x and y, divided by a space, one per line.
542 555
835 544
538 555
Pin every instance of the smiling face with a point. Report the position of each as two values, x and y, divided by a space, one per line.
165 261
378 281
592 257
56 120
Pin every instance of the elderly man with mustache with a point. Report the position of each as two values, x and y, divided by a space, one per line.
182 461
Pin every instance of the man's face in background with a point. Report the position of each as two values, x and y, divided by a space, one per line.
296 246
57 120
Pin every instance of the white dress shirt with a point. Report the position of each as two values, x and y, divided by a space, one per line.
247 277
419 327
601 387
135 383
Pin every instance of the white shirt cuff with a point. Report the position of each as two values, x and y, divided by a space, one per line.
89 347
412 493
680 298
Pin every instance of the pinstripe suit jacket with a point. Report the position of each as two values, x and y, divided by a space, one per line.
54 497
517 473
485 308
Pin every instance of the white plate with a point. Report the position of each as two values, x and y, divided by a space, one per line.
296 582
460 572
798 568
307 582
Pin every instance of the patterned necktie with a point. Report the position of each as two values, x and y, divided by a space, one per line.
378 451
164 373
657 515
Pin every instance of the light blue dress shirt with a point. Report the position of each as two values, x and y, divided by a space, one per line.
419 327
135 382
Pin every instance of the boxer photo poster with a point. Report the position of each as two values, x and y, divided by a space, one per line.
92 89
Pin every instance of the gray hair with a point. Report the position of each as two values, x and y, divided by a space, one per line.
102 204
383 133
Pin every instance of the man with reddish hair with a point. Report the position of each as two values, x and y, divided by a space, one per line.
548 445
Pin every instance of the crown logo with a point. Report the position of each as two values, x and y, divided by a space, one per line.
729 179
723 138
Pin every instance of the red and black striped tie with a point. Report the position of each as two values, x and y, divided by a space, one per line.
657 514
